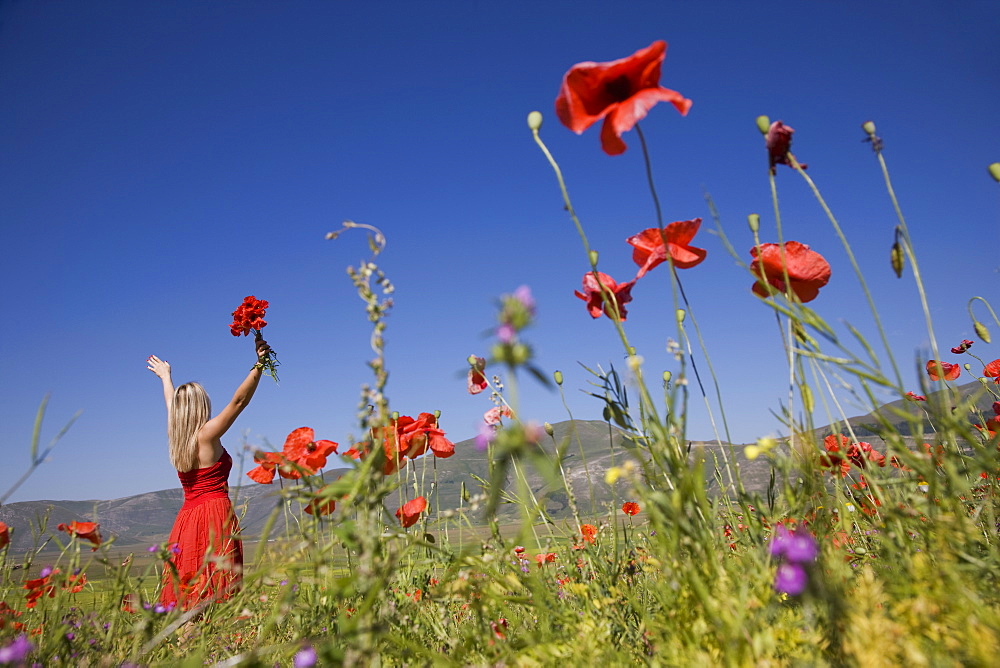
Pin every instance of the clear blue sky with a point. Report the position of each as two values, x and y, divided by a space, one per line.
160 161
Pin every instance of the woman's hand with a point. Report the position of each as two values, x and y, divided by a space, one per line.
160 367
262 350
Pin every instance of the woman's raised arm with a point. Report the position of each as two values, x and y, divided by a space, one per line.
162 369
220 424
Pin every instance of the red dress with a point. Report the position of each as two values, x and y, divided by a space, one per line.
208 554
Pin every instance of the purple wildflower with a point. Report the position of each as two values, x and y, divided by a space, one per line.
790 579
523 295
485 436
506 333
305 657
16 651
797 546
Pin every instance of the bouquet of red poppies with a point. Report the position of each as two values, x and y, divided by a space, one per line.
249 317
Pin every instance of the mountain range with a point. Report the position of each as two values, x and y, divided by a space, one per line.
146 519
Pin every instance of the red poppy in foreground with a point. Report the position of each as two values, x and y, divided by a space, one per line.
622 293
477 381
652 246
779 142
83 530
267 462
808 271
630 508
621 92
4 535
409 513
302 450
943 370
992 370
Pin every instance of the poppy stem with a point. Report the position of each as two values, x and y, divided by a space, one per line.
908 249
861 278
649 176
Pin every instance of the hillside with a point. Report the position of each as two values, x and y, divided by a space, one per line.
146 519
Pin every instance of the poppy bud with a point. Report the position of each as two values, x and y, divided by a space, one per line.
606 414
472 360
981 331
995 171
869 128
754 220
763 124
593 258
535 121
680 315
437 414
666 377
967 367
896 257
558 377
549 429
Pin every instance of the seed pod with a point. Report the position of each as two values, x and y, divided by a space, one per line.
535 121
897 259
981 331
754 221
763 124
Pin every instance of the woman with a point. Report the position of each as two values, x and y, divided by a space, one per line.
207 561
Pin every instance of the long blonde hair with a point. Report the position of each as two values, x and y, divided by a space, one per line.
189 411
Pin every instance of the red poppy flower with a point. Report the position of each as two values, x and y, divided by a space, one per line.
409 513
302 450
915 397
267 462
962 347
779 142
39 587
622 293
621 92
249 316
630 508
545 558
75 583
653 245
808 271
477 381
84 530
992 370
589 532
836 445
943 370
4 536
320 505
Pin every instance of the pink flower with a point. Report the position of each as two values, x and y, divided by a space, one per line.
493 415
477 381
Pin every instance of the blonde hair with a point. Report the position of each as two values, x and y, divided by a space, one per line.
189 411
